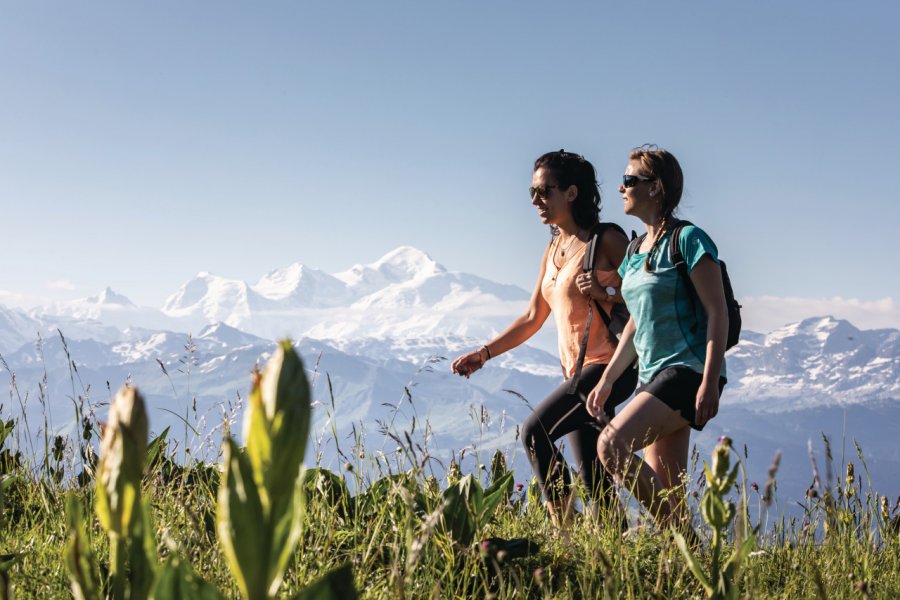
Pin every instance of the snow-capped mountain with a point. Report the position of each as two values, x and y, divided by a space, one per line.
818 361
403 294
377 340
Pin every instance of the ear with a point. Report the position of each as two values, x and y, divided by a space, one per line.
571 193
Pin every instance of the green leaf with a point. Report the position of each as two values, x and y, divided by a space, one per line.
289 413
177 581
732 478
694 564
735 562
241 524
285 536
334 585
155 449
457 516
77 555
144 559
322 483
493 496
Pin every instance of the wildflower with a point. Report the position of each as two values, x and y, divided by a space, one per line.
348 467
519 486
539 574
725 441
754 486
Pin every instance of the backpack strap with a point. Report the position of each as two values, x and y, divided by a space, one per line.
677 258
593 244
636 241
590 258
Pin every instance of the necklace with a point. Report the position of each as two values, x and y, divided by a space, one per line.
561 252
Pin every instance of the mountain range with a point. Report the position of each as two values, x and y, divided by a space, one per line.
377 340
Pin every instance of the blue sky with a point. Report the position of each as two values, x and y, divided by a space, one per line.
140 144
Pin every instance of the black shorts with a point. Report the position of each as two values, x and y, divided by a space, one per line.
677 388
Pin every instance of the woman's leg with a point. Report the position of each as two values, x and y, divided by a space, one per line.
668 457
584 439
559 414
641 423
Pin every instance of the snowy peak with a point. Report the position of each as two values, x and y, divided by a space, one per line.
302 287
108 298
216 298
397 266
407 262
227 336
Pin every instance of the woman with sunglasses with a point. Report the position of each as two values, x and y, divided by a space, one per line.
564 191
680 349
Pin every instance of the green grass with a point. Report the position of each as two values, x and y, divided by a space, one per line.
858 554
404 537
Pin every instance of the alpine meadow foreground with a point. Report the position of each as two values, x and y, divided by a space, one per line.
112 513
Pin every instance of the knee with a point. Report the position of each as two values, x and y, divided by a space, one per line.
532 434
611 451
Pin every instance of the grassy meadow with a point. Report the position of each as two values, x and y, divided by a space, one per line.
112 513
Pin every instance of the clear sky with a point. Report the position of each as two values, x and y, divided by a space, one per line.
142 143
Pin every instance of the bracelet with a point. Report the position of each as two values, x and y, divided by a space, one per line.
486 349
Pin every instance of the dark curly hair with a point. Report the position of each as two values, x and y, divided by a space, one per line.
570 169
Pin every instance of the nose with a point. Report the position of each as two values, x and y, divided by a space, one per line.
621 188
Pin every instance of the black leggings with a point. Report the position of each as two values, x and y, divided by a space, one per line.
562 413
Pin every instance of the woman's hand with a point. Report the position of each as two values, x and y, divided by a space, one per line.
596 400
707 402
588 286
468 363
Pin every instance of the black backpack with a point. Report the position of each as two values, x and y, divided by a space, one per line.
731 305
616 319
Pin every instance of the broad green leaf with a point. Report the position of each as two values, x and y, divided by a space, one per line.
79 560
286 399
493 496
286 533
177 581
457 516
322 483
144 558
241 524
257 436
334 585
155 448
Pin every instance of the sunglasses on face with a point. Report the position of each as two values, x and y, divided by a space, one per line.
630 181
541 191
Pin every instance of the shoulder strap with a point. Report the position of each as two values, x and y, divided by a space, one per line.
677 259
675 254
593 244
634 245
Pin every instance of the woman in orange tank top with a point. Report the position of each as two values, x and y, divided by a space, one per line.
564 191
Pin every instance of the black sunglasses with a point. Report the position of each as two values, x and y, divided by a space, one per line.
540 191
632 180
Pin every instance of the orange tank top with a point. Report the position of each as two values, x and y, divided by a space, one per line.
570 310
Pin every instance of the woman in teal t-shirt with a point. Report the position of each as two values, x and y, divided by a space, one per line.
679 345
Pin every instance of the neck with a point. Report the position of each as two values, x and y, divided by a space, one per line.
568 230
654 226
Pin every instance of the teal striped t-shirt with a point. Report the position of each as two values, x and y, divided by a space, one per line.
671 328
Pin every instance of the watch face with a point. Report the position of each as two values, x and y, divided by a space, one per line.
611 291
